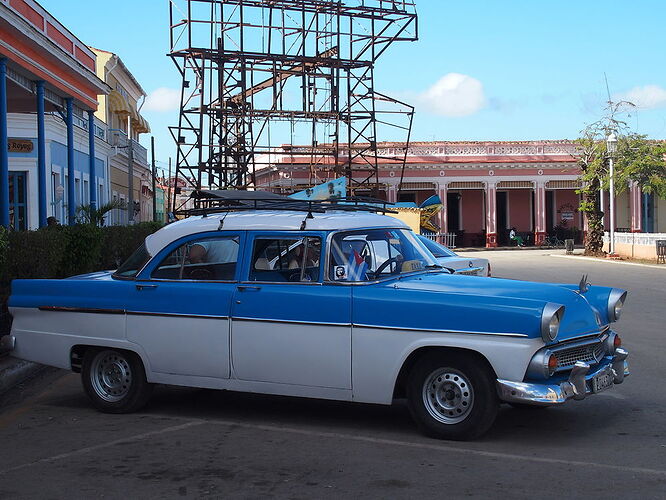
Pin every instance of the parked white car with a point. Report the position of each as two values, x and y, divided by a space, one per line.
473 266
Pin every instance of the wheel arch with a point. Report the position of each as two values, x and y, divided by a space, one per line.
78 351
399 387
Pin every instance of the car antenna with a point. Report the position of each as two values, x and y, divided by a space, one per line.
308 216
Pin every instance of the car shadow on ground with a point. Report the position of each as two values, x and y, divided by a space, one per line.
567 424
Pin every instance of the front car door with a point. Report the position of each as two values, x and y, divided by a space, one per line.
288 327
178 310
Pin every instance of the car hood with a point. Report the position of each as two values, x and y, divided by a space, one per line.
467 303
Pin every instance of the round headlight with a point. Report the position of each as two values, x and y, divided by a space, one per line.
616 300
553 326
551 318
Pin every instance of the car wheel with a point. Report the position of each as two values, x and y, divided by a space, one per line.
452 396
115 380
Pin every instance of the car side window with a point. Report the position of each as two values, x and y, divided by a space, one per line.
207 259
286 259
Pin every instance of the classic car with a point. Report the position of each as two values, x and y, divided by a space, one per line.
447 258
333 304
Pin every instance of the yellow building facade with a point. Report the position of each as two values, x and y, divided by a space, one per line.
121 111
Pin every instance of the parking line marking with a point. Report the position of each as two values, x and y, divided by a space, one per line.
338 435
438 447
88 449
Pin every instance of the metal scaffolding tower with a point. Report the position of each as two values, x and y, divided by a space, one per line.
259 77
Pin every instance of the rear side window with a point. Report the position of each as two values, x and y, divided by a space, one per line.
286 259
133 265
207 259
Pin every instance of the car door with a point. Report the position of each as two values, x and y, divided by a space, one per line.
178 310
288 327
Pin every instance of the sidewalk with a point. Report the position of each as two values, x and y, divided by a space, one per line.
610 261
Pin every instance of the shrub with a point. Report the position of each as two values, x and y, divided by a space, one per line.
62 251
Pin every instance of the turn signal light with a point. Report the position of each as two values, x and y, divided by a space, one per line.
617 342
552 364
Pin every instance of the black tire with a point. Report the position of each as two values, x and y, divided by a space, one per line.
462 398
115 380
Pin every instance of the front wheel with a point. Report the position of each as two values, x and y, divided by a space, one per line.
452 396
115 381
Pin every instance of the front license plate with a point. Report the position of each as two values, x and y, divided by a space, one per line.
602 382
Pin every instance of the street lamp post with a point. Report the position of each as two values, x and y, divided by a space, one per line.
611 147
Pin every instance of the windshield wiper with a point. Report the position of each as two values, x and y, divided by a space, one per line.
434 266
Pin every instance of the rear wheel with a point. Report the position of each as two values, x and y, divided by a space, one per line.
115 380
452 396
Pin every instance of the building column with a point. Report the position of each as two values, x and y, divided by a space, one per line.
4 147
41 155
540 215
91 159
636 207
491 214
392 194
443 213
71 190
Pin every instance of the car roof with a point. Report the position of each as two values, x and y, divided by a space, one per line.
268 220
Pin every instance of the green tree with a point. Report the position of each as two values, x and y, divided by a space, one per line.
86 214
637 159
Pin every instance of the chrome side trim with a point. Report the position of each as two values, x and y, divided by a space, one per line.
176 315
437 330
88 310
288 321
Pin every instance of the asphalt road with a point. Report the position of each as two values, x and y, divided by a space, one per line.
192 443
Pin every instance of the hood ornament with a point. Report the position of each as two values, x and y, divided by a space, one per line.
583 286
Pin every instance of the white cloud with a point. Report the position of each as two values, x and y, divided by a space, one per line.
162 99
453 95
647 97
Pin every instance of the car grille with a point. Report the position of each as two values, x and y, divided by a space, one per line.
589 353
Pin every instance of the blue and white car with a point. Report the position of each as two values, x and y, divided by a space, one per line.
334 305
447 258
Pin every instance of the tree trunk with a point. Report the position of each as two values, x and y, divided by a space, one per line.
594 240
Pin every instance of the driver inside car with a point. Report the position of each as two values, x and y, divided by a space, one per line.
213 251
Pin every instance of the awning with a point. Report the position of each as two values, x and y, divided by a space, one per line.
118 104
139 124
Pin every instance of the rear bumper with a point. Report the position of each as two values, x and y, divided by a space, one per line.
578 386
7 343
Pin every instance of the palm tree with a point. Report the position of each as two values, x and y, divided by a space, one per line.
86 214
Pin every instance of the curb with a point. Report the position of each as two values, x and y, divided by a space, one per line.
595 259
14 371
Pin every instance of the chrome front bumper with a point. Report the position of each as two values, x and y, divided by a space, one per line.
577 386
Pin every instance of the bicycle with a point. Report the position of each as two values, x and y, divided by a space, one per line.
552 242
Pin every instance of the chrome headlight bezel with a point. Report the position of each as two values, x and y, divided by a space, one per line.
551 318
616 300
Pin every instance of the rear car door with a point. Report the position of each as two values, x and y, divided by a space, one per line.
179 307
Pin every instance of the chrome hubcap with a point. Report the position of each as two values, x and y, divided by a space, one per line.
111 376
448 396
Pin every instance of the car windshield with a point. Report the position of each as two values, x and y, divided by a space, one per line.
133 265
377 253
435 248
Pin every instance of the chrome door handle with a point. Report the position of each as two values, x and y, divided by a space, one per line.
145 287
245 288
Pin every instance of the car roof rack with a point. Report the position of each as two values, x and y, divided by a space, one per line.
221 201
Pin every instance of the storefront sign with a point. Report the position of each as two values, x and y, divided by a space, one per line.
20 146
567 216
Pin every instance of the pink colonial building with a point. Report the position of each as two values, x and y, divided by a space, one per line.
487 187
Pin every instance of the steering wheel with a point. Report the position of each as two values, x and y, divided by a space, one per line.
296 277
200 273
383 266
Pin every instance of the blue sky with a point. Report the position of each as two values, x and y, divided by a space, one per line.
481 70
